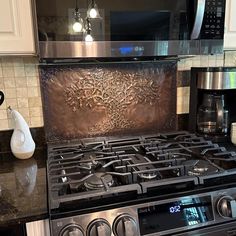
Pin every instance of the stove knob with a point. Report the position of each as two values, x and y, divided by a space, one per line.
99 227
226 207
125 225
72 230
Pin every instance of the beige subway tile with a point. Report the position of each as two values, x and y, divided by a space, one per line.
24 112
33 92
11 123
4 105
19 71
188 63
35 102
1 73
18 62
7 61
3 114
196 63
1 83
30 61
179 109
21 92
4 124
183 91
10 93
182 105
220 56
8 72
9 82
22 102
35 111
12 102
212 61
36 122
219 62
32 81
183 94
181 65
204 60
31 70
21 82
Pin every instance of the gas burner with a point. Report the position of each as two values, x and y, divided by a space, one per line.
135 165
148 176
200 167
89 161
99 180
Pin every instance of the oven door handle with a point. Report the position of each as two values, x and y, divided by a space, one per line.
201 5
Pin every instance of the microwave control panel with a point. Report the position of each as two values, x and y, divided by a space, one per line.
213 22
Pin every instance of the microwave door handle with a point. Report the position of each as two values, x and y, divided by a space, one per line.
201 4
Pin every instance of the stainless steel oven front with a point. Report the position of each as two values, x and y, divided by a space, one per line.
211 213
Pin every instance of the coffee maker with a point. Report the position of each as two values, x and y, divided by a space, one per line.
212 101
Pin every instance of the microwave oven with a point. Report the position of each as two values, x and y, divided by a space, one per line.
128 28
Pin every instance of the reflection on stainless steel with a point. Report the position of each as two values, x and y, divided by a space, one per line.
103 49
25 173
198 19
217 80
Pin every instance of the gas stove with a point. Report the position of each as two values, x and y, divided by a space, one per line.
147 185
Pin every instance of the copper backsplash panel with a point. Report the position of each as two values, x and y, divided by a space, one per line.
109 99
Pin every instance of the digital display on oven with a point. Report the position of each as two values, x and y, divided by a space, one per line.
185 212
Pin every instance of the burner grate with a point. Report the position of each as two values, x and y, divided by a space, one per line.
106 168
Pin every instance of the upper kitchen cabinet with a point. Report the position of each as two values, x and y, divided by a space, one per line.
230 26
16 27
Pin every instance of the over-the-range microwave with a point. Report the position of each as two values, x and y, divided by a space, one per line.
128 28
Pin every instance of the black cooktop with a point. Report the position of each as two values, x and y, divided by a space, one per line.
135 167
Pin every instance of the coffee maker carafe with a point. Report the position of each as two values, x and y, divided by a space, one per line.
212 102
213 116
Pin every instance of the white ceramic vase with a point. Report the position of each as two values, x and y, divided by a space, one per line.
22 143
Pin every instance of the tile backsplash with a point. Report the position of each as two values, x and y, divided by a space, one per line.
184 68
19 81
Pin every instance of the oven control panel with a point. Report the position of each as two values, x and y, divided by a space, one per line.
153 218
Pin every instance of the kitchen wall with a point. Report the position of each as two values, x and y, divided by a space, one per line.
19 81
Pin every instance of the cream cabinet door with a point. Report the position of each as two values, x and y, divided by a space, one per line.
38 228
230 25
16 27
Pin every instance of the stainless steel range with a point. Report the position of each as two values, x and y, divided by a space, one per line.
164 184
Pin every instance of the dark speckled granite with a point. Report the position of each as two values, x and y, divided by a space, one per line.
23 188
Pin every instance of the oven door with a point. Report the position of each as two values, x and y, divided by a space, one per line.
226 229
127 28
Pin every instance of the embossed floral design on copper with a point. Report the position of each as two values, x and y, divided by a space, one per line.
113 94
108 99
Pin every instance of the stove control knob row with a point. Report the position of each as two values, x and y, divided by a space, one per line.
125 225
72 230
99 227
226 207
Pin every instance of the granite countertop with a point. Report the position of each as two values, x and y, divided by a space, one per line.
23 188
